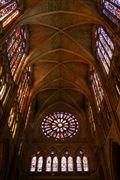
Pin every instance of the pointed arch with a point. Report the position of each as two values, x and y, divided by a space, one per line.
48 164
33 164
70 164
55 164
79 164
40 164
63 164
85 164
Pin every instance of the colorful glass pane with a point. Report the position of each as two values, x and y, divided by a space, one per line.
111 10
104 48
79 164
63 164
48 164
85 164
24 89
16 48
70 164
91 119
117 2
40 164
7 10
55 164
97 89
33 164
60 125
2 91
3 2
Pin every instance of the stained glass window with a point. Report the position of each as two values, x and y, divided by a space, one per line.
40 164
33 164
66 163
79 164
104 48
91 119
82 163
97 89
3 78
70 164
60 125
16 49
13 119
24 89
55 164
8 11
111 9
48 164
63 164
2 91
85 164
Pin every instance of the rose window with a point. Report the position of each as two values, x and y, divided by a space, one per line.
60 125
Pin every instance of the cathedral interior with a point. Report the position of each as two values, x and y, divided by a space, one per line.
59 89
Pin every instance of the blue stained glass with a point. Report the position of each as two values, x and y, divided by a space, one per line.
112 8
117 2
104 48
109 41
113 19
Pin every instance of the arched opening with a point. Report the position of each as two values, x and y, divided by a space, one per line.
116 161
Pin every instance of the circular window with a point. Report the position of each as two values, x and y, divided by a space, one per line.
60 125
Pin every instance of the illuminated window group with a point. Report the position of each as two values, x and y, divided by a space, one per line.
24 89
8 11
60 125
97 89
13 119
16 49
111 9
53 163
104 48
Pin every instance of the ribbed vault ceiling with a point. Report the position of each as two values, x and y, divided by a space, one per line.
61 50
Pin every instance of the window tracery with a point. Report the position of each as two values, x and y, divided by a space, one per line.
97 89
111 9
16 47
82 162
13 119
104 48
24 89
8 11
33 164
60 125
4 79
91 118
48 164
64 163
55 164
40 164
